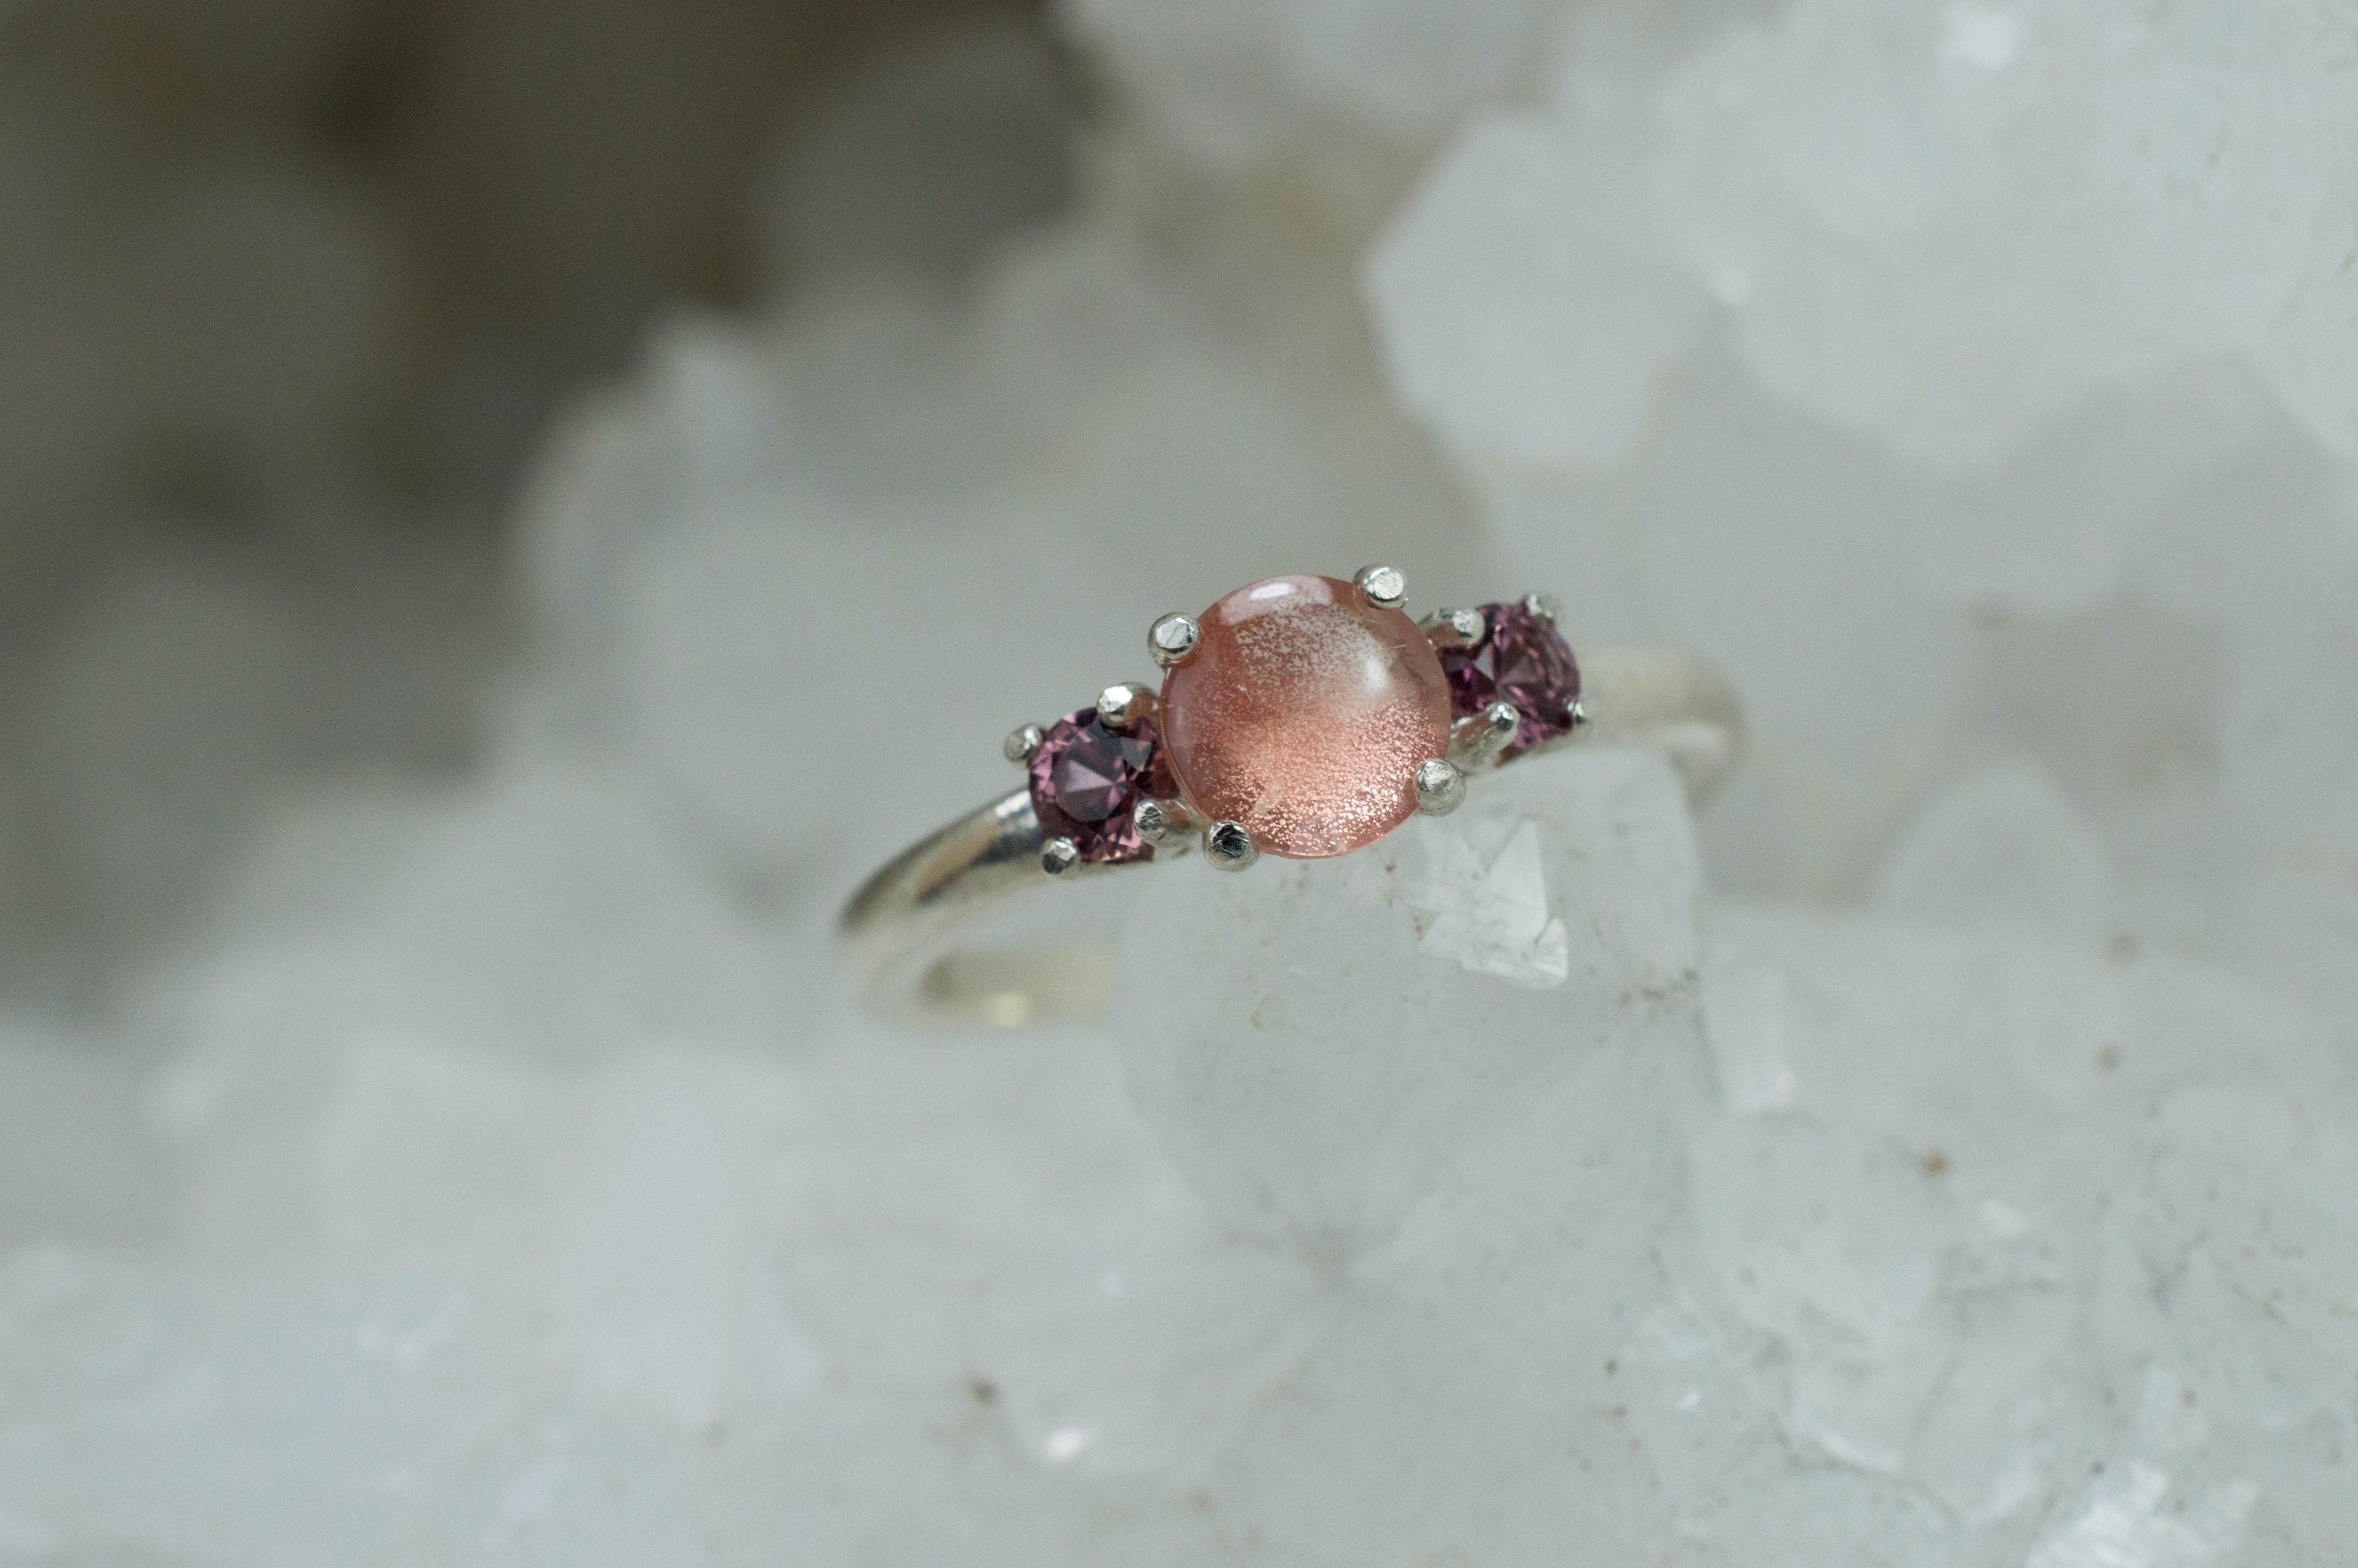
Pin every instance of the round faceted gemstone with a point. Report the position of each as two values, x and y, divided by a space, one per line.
1522 659
1303 713
1087 779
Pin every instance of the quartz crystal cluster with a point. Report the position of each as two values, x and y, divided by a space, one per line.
1938 1154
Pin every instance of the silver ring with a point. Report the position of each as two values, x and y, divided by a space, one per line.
1301 716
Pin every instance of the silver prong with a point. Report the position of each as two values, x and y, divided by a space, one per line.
1123 704
1058 856
1477 740
1228 846
1173 640
1453 628
1166 824
1546 606
1440 788
1578 714
1384 586
1024 744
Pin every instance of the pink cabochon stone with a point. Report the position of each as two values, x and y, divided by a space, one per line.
1303 713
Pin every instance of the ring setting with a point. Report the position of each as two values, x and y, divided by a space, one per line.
1302 717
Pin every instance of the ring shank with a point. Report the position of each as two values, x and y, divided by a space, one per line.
1661 700
902 929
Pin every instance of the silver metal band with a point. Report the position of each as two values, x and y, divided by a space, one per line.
907 928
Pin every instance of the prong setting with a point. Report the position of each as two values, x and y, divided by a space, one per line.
1124 705
1173 639
1386 588
1024 744
1228 846
1546 606
1440 788
1476 740
1168 825
1455 628
1578 714
1059 855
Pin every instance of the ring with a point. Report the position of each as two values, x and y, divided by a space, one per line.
1300 716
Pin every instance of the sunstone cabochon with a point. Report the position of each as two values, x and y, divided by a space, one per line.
1303 715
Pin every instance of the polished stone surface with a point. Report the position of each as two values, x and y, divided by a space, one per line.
1304 714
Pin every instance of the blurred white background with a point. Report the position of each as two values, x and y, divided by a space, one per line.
510 508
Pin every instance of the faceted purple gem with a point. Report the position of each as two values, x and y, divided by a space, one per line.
1522 659
1086 779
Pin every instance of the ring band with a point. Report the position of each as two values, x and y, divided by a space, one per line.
1304 717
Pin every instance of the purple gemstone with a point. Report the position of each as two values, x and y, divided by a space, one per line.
1086 781
1522 659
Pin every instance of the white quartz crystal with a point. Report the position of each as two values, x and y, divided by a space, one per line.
1886 191
1996 452
1468 1161
1235 82
2002 846
1318 1051
1527 313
